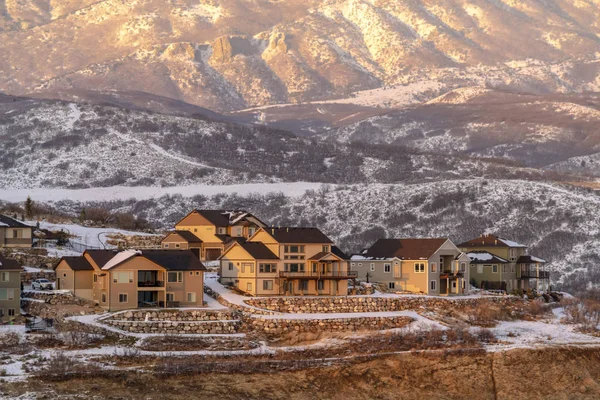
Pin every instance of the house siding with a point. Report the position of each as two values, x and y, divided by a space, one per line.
14 284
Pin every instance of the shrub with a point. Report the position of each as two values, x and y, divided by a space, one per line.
486 336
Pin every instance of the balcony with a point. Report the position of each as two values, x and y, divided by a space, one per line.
532 273
318 274
151 284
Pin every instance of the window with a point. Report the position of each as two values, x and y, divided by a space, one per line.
222 231
360 264
352 264
64 275
10 294
294 267
504 268
191 297
392 285
387 267
480 269
11 312
419 267
239 231
3 294
433 267
320 285
17 234
294 249
293 257
372 267
123 297
268 285
325 249
231 266
494 269
433 285
303 285
104 297
249 286
175 277
251 231
453 284
177 245
267 268
463 266
191 273
166 245
195 229
4 277
170 297
95 278
197 273
513 254
123 277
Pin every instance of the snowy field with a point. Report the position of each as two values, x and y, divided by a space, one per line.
292 189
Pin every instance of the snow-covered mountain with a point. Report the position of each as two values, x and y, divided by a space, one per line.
232 54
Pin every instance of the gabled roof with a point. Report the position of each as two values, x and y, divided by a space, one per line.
322 255
530 260
9 264
101 257
174 260
404 249
338 252
225 217
8 222
258 250
78 263
185 235
491 241
171 260
483 257
298 235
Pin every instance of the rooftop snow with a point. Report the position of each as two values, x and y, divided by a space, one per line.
120 257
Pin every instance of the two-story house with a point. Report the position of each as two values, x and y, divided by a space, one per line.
134 278
286 261
10 289
518 271
15 233
212 231
430 266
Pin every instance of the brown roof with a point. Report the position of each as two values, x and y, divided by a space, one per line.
187 236
405 249
78 263
483 257
101 257
8 264
338 252
259 251
225 217
174 260
490 241
298 235
530 260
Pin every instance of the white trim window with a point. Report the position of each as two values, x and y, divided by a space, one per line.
123 297
419 268
249 286
433 285
433 267
480 268
387 268
391 285
372 267
4 276
268 285
123 277
191 297
495 269
174 277
463 266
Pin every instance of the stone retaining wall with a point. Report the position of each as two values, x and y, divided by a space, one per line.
364 304
172 315
177 327
280 326
57 298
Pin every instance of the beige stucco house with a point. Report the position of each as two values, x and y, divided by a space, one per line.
503 264
212 231
133 278
429 266
286 261
15 233
10 289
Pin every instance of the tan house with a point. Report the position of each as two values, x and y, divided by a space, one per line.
520 271
15 233
429 266
286 261
10 289
133 278
213 231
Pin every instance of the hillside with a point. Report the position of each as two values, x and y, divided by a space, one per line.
557 132
51 144
232 54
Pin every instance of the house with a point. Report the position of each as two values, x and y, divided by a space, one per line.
286 261
10 289
15 233
430 266
134 278
503 264
212 231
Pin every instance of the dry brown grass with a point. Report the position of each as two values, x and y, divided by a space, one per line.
185 343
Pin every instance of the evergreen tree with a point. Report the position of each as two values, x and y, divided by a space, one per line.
82 215
29 208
